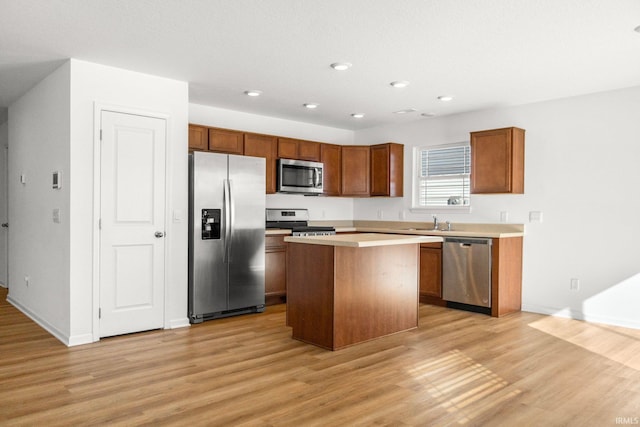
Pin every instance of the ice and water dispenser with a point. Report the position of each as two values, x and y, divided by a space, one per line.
211 224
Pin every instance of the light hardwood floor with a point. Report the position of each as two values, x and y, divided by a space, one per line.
457 368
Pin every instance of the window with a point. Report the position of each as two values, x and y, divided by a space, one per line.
442 177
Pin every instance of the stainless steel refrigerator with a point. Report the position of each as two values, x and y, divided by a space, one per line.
227 235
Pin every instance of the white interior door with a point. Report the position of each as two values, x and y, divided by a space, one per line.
4 211
132 221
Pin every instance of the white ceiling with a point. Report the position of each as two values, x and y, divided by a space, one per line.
486 53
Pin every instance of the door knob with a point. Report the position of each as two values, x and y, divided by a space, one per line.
159 234
5 225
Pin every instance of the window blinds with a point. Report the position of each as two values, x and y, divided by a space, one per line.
444 176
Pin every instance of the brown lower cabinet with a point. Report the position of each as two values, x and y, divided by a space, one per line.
506 275
275 277
431 273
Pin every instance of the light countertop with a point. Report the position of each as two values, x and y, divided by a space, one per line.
363 240
496 231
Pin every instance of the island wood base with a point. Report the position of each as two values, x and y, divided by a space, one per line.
339 296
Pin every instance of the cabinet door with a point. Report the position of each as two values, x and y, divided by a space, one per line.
287 148
309 150
497 161
355 170
226 141
387 169
275 280
331 156
198 138
298 149
431 269
263 146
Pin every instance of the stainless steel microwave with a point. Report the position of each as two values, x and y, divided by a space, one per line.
299 176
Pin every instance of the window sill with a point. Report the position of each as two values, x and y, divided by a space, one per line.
441 209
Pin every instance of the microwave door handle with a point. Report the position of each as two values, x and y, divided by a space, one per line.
316 178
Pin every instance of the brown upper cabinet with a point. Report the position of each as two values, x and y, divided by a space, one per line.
331 157
263 146
198 138
226 141
298 149
387 169
497 161
349 170
355 170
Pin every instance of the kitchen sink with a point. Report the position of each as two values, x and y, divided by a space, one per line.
418 229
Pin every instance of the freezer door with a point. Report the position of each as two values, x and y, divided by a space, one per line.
208 275
247 234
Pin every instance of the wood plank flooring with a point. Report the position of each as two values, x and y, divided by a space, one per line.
457 368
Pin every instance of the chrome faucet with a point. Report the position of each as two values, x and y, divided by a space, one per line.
435 222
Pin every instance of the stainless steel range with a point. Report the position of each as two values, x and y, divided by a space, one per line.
296 220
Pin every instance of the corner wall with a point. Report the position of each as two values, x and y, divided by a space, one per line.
39 134
580 171
93 84
4 198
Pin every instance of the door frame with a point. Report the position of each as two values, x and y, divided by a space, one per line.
98 109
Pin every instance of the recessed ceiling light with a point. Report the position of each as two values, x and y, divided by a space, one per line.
428 114
253 92
341 66
400 84
311 105
405 111
637 29
357 115
445 98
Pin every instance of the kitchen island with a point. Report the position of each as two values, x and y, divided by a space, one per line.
350 288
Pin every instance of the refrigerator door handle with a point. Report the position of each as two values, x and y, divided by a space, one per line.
232 208
227 219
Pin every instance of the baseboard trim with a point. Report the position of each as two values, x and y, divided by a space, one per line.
579 315
179 323
41 322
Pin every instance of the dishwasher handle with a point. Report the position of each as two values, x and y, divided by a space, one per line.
468 241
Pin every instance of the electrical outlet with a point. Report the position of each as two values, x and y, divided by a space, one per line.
535 216
402 215
504 216
574 285
380 214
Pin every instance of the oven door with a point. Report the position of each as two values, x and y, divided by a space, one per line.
298 176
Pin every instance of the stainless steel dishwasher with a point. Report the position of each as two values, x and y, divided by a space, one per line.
466 271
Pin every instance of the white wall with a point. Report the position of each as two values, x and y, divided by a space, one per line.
91 84
329 208
52 128
4 198
39 133
581 171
